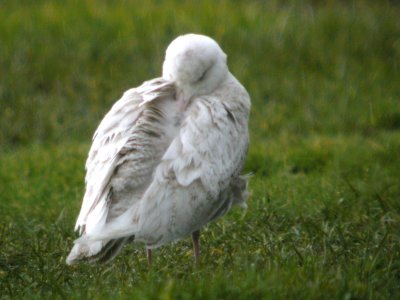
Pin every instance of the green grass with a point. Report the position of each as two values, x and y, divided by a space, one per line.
324 214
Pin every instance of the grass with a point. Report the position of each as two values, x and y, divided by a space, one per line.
324 213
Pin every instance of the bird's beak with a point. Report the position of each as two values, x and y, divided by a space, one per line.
182 101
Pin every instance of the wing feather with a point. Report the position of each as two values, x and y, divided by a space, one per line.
135 133
198 174
197 178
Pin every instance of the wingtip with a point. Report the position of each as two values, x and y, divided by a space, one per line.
70 261
71 258
81 251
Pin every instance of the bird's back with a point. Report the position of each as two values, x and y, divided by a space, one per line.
197 179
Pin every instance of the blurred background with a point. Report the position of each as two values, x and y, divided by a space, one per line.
310 66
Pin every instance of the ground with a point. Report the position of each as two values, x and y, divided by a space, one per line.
323 217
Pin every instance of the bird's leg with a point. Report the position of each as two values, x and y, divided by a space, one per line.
196 245
149 256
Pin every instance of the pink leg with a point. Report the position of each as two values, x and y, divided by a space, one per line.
149 256
196 246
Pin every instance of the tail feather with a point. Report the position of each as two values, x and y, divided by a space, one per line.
96 251
239 190
110 250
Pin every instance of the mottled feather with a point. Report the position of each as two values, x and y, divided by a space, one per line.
166 159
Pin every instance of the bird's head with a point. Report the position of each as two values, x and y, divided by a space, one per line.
196 64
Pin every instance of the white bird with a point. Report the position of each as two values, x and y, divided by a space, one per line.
166 159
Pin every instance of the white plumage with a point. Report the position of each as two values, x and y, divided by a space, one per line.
166 158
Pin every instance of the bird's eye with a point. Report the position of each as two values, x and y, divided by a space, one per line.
203 75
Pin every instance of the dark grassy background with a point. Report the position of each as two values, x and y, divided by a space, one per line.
324 214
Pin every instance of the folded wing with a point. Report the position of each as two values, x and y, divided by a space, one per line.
197 179
127 146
